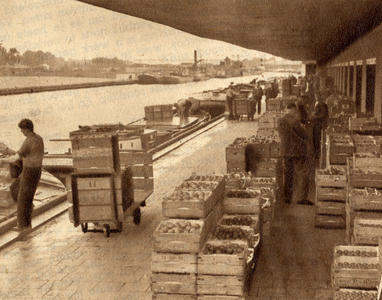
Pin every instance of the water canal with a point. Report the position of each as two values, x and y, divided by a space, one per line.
57 113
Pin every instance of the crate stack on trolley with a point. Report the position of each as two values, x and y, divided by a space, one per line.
95 188
205 245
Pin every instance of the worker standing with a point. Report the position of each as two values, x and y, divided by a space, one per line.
293 148
258 96
32 154
230 96
319 120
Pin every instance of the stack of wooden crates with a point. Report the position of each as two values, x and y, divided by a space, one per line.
331 197
364 209
190 259
95 188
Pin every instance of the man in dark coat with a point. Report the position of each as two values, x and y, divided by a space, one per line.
230 95
293 148
319 120
258 95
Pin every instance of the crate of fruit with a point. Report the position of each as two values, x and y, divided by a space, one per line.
366 199
260 182
223 258
333 177
251 221
236 180
236 232
188 204
355 272
214 182
265 168
331 194
242 202
358 251
367 231
173 283
236 166
350 294
366 177
236 150
185 236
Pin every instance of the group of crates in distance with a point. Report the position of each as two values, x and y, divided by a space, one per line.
108 184
207 244
349 196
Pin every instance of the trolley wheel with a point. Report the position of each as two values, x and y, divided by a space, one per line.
137 216
119 226
84 227
106 230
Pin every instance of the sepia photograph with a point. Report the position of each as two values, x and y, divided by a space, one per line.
191 150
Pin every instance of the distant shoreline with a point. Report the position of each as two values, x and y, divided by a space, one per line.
63 86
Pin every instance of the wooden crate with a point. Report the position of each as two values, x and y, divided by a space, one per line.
330 208
366 160
261 182
354 294
351 215
367 231
236 166
267 121
241 107
223 264
221 297
221 285
360 201
327 180
243 206
338 158
331 194
330 221
346 250
258 151
235 154
343 277
157 296
187 243
178 263
368 177
173 283
256 227
367 147
275 151
266 168
95 153
189 209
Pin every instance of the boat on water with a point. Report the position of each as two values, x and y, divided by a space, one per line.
147 78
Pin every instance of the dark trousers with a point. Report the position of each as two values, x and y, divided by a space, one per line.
29 180
295 178
230 107
317 129
258 100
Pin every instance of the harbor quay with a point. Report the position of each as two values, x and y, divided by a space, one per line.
59 261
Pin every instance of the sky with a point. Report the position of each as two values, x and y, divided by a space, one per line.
76 30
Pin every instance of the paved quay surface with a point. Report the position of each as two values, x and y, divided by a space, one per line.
58 261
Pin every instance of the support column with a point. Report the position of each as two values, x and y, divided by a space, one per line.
363 91
340 79
378 88
343 80
348 80
354 80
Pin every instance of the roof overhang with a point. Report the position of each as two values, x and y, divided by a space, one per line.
306 30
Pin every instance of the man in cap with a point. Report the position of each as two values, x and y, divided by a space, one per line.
293 148
230 95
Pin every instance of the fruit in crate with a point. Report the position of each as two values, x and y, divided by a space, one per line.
266 192
239 220
354 295
196 177
230 233
356 253
231 248
331 171
242 193
198 185
180 195
349 265
263 180
370 225
179 227
365 171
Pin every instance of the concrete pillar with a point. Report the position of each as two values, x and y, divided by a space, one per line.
378 88
363 91
348 80
354 80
